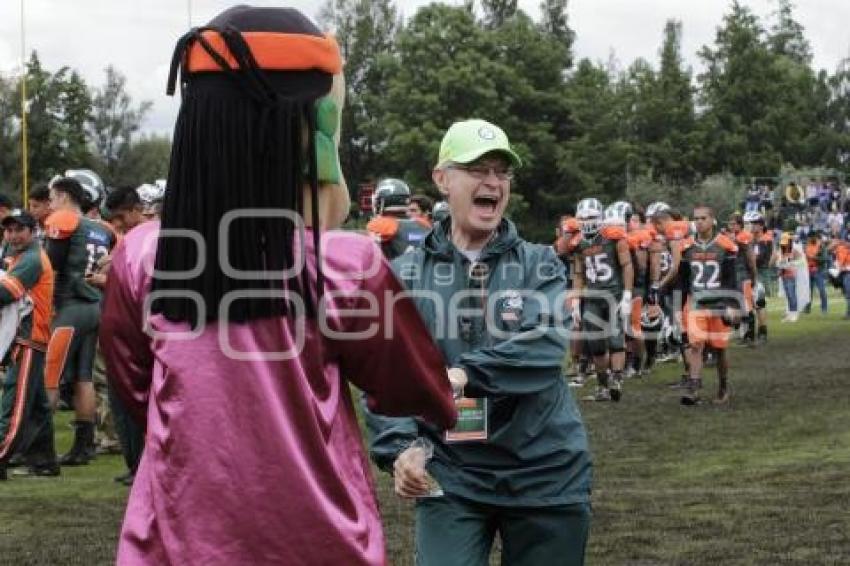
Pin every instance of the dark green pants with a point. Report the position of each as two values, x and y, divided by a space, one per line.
451 531
130 434
26 420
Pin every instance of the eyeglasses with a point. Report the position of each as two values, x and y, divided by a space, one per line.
700 217
481 172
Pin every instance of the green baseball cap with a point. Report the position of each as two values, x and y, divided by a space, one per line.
466 141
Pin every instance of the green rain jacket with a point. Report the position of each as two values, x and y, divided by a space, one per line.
536 453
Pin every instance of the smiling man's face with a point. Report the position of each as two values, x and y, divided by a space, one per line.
477 192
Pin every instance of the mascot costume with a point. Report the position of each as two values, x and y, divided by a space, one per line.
224 324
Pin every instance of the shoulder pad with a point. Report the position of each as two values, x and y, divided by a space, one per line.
384 227
644 237
726 243
61 224
744 237
677 230
613 232
567 245
571 225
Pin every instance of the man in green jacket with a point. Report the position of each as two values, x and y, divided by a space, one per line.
517 463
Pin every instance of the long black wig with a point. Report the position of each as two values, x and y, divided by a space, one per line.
244 139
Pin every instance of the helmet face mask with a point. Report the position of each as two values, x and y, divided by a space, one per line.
590 225
589 215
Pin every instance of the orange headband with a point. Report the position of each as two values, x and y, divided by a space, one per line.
273 51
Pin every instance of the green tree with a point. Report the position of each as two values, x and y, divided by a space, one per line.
555 22
765 106
738 92
679 144
113 122
10 141
365 30
787 36
836 142
595 159
497 12
57 106
448 67
145 161
661 115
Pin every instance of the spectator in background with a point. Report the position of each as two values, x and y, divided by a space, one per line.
824 196
6 206
811 194
785 259
419 206
820 221
841 249
817 260
26 419
836 224
753 200
126 209
39 207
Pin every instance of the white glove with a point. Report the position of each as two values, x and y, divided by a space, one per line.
626 304
576 316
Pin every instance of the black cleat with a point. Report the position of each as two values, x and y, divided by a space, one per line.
17 460
691 395
80 453
39 471
616 388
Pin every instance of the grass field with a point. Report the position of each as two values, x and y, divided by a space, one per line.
765 480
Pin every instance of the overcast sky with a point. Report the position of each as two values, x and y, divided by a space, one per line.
138 37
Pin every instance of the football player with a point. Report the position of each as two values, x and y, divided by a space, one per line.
604 278
709 277
391 228
746 273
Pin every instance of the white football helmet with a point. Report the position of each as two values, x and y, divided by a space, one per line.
150 194
656 207
90 181
618 214
589 215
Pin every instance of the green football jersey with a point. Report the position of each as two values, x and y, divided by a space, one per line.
602 270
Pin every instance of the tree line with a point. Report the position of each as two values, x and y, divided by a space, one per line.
71 125
583 127
586 128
